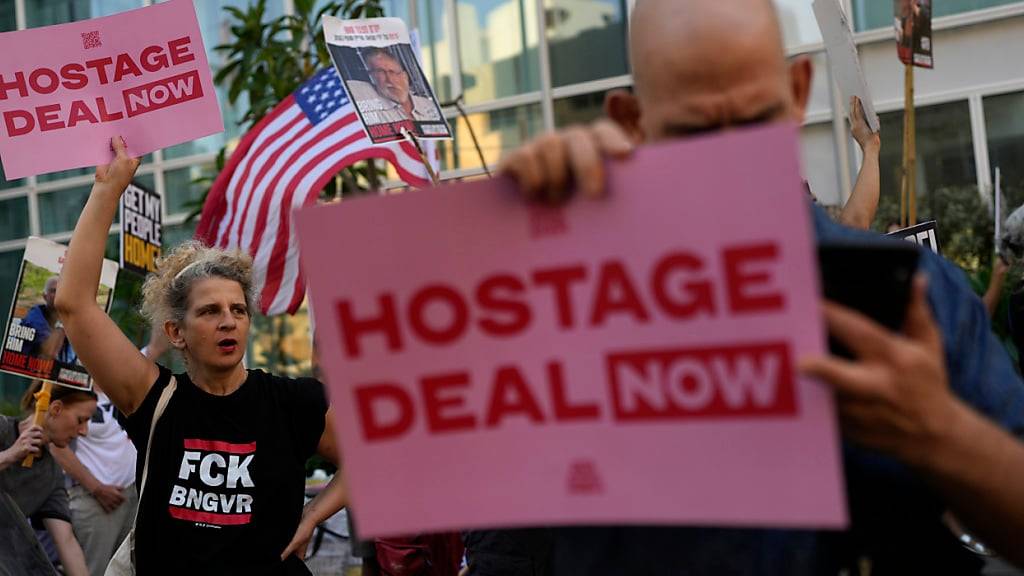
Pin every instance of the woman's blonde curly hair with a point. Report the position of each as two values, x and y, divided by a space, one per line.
165 293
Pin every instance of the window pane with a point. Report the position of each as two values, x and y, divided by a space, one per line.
868 14
587 40
1004 121
435 47
86 171
13 220
798 23
820 162
498 132
945 159
174 235
8 22
181 191
215 26
46 12
59 210
582 109
498 48
5 183
54 176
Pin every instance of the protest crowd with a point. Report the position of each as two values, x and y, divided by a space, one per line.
888 438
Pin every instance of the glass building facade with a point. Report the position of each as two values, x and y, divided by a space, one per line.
521 67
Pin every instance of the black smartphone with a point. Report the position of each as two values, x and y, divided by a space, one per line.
874 278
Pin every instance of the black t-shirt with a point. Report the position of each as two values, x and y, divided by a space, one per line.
226 480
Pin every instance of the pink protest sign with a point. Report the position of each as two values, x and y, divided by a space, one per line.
66 90
629 360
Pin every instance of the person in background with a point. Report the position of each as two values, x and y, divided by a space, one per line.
996 282
101 466
38 491
50 341
859 211
895 397
705 66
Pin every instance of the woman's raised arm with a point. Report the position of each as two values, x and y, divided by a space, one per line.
105 351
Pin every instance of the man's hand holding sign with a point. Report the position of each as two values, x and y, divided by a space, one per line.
484 346
69 88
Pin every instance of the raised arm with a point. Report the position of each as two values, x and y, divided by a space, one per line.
995 284
860 209
107 353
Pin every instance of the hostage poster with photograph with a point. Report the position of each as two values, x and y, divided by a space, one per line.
383 78
913 21
35 345
141 229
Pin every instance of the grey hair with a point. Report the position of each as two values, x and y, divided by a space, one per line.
165 293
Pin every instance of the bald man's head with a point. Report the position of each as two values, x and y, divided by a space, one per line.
699 65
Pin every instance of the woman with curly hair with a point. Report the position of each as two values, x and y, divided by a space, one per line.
222 478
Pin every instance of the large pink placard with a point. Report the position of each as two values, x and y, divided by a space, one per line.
66 90
628 360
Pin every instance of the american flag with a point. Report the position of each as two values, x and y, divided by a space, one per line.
281 165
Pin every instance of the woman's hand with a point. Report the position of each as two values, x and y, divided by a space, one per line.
116 176
29 443
300 541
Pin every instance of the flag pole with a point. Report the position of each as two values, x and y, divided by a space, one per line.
426 161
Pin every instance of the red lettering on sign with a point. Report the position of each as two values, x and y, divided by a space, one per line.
163 93
442 395
371 400
352 329
559 280
517 313
19 122
749 380
74 77
17 84
181 50
616 295
14 359
49 117
744 283
512 397
564 410
698 295
446 297
49 86
678 286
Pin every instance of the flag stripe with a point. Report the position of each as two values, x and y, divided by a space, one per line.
292 284
277 260
273 137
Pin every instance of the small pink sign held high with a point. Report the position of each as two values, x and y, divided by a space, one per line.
65 90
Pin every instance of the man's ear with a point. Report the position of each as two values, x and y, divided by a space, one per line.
623 108
174 335
801 72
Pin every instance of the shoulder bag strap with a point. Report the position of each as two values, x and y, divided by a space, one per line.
161 404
